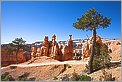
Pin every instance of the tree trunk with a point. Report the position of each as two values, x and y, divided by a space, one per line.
92 51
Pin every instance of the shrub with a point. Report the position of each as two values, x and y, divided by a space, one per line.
75 76
85 78
106 76
7 77
4 75
101 57
105 58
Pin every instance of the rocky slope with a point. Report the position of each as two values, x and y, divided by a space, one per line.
48 72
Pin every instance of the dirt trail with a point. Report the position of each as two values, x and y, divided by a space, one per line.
72 62
50 63
43 61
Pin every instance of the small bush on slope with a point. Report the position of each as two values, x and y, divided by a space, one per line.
106 76
76 77
7 77
85 78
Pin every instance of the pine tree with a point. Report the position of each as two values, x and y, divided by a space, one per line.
92 20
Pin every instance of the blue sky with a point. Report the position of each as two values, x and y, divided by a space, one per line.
34 20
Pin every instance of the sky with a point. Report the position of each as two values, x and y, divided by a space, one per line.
34 20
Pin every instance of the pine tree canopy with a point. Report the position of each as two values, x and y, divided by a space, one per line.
92 19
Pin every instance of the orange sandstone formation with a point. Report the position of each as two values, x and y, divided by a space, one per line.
33 54
45 47
54 50
8 58
86 50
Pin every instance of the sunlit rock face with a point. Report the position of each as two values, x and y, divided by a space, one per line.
38 52
8 58
33 54
45 47
57 51
54 50
98 39
115 47
86 49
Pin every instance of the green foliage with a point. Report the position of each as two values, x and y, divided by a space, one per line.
3 76
101 57
7 77
106 76
9 48
105 57
16 45
92 19
75 76
85 78
26 48
18 42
